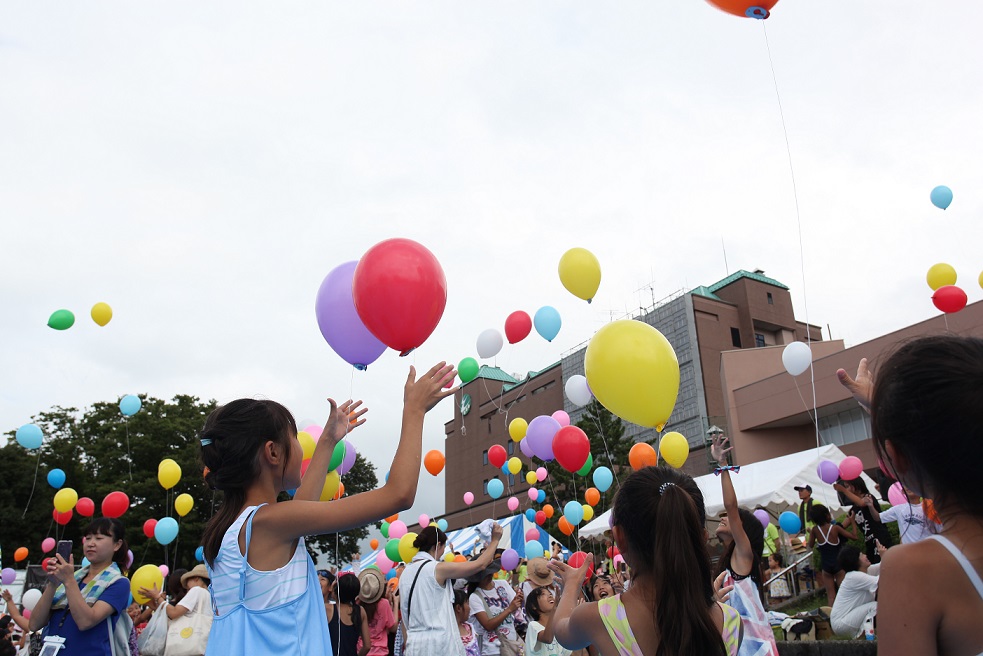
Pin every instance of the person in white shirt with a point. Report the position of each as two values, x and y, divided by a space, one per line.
857 596
913 525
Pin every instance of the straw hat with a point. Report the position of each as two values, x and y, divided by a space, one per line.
372 585
199 571
539 572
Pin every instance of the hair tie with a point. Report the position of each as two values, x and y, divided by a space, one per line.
664 487
205 441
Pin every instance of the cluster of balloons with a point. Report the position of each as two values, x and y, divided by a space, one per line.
393 296
101 313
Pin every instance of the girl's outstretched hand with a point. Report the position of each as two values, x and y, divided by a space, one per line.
573 576
717 450
861 387
427 391
343 419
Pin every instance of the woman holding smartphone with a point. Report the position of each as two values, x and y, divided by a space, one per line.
80 609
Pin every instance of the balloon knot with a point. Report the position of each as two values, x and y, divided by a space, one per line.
361 367
407 352
589 300
760 13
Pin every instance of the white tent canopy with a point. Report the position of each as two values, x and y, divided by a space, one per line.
769 484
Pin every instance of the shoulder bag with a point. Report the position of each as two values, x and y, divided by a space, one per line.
188 634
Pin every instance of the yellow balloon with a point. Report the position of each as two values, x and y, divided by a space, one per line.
168 473
674 449
449 557
183 504
940 275
515 465
517 429
633 371
307 443
588 513
101 313
331 483
406 548
65 499
981 279
149 577
531 478
580 273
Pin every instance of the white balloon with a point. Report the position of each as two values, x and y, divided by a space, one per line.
797 357
577 390
489 343
31 598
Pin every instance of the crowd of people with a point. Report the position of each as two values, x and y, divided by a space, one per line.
924 596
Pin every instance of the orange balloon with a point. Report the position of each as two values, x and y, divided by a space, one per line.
592 496
374 544
392 518
565 527
20 554
548 511
760 9
341 491
642 455
459 558
434 462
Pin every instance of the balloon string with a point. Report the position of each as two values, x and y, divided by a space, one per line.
815 421
607 452
37 468
129 458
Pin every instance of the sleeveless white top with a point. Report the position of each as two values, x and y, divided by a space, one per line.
264 589
968 568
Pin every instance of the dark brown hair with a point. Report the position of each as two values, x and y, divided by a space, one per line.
756 536
231 442
429 537
661 509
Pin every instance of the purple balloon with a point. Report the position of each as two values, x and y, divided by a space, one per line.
526 448
763 517
540 434
340 324
828 471
510 559
349 461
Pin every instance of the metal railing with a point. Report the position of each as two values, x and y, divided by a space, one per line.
807 556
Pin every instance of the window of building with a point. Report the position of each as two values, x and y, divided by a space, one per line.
484 458
759 339
735 337
489 425
845 427
771 300
510 447
484 487
511 479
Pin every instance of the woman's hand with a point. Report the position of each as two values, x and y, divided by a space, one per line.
861 387
154 595
717 450
424 393
343 419
61 571
496 532
569 575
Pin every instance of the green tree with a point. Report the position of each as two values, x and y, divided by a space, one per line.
360 478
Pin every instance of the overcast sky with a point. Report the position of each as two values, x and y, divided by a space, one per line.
201 166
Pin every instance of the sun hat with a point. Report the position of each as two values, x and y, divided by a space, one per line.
199 571
494 567
539 572
372 585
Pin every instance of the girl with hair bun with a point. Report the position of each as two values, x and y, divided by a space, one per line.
670 609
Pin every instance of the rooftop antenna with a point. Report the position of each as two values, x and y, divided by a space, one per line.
724 248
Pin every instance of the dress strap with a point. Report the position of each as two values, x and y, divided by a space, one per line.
615 620
971 574
245 556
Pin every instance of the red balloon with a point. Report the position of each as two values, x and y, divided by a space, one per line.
517 326
540 517
115 504
949 299
86 507
497 455
577 559
149 526
400 292
571 447
760 9
62 517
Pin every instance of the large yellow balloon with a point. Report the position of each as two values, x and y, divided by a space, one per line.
101 313
580 273
588 513
307 443
515 465
940 275
633 371
183 504
674 449
331 483
517 429
65 499
531 478
168 473
406 548
148 576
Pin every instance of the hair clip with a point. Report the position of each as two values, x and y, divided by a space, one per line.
205 441
734 468
665 486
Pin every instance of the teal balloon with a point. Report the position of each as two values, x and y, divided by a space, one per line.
392 551
468 369
583 471
442 525
603 479
200 554
61 320
547 322
790 522
941 197
130 404
495 488
541 497
166 530
56 478
338 457
530 514
385 531
30 436
574 512
534 549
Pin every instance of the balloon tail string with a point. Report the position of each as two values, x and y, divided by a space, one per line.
607 452
129 458
945 318
34 485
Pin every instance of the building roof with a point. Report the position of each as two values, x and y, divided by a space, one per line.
703 290
494 373
734 277
529 376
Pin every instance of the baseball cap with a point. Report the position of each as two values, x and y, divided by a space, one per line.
802 487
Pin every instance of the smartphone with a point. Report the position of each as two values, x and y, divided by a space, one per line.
65 549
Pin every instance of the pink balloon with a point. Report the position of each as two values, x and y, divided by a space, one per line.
513 503
424 522
165 570
541 474
533 495
26 613
383 563
562 418
851 468
314 431
47 544
129 558
532 535
896 495
397 530
468 498
618 559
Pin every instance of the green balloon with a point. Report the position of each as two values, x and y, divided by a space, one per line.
392 551
61 320
385 530
337 456
583 471
468 370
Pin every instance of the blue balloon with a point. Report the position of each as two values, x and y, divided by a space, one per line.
603 479
505 468
495 488
534 549
387 475
292 492
442 525
790 522
547 322
166 530
56 478
200 554
530 514
541 497
574 512
391 574
30 436
130 404
941 197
